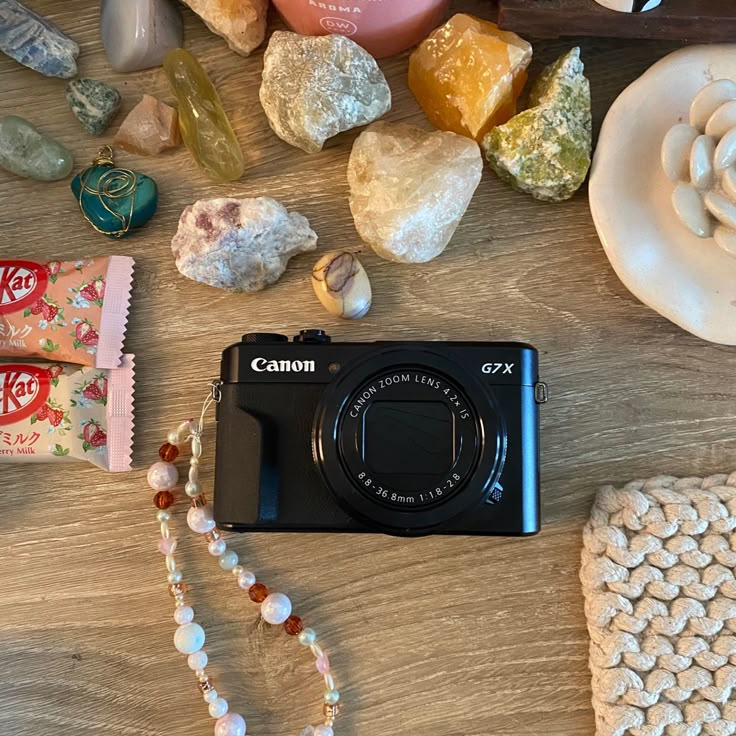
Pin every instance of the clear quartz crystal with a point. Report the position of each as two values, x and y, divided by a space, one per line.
409 188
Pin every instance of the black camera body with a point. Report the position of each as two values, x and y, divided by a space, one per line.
404 438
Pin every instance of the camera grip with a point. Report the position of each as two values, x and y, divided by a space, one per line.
243 434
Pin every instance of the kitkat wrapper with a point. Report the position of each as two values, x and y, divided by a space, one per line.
61 412
65 311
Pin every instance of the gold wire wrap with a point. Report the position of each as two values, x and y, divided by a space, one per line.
113 184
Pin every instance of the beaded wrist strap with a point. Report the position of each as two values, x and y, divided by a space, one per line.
275 608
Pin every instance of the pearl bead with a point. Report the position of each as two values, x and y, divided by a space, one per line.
276 608
193 488
331 697
175 577
218 708
307 637
217 547
246 579
237 570
233 724
174 438
199 519
163 516
185 615
170 563
329 682
323 731
210 696
162 476
228 559
197 660
189 638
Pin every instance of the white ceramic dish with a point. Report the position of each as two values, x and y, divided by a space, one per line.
690 281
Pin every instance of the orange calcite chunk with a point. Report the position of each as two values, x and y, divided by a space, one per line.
468 74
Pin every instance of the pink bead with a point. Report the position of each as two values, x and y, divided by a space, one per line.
233 724
323 664
167 546
162 476
200 519
323 731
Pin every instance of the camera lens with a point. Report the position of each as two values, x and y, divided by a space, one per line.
407 445
408 438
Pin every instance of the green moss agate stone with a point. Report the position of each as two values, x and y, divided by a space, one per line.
26 151
545 150
114 200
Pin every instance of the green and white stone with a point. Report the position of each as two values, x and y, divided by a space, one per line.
94 103
545 150
26 151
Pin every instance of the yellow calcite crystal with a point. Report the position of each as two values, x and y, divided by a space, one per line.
203 122
468 74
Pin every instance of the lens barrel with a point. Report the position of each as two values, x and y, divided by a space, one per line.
406 440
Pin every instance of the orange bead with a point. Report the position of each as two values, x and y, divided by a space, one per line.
168 452
163 499
258 592
293 625
177 589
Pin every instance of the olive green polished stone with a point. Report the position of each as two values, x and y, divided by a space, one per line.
545 150
26 151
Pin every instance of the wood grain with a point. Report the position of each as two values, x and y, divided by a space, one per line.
438 636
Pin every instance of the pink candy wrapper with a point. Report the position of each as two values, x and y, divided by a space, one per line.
65 311
51 411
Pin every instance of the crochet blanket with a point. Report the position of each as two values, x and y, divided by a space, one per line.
660 600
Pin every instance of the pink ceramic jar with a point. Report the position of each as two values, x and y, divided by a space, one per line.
383 27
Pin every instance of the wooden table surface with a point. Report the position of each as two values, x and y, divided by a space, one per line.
437 636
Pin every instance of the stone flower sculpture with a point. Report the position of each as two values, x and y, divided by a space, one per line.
699 157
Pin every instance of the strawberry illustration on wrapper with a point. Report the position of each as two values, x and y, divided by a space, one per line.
60 411
66 311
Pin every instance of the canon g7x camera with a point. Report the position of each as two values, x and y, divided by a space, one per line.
404 438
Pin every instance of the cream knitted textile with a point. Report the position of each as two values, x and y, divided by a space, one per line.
660 599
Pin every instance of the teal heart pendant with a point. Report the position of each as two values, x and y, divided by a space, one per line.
114 201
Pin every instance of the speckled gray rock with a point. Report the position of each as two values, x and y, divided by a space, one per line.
36 42
315 87
137 34
409 188
94 103
545 150
26 151
239 244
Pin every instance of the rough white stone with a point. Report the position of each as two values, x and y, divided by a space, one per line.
239 244
315 87
409 188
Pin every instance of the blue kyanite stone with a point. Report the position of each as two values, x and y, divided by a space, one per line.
35 42
115 201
